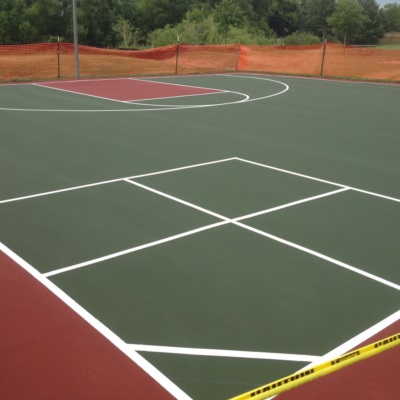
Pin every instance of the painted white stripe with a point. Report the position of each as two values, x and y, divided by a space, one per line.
182 168
294 203
224 353
43 85
317 179
247 99
319 255
176 199
133 249
102 329
143 103
357 340
225 220
114 180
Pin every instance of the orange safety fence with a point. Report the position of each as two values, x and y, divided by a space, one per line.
362 62
57 60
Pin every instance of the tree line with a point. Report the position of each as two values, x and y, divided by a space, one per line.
153 23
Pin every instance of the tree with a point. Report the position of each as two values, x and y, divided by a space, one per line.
316 14
391 17
228 13
98 18
156 14
347 20
284 18
373 27
126 33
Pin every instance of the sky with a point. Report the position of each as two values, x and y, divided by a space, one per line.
383 2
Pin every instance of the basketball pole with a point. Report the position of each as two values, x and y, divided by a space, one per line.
76 48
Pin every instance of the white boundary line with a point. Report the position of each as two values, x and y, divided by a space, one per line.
200 165
42 85
113 181
140 103
102 329
224 353
224 221
234 221
357 340
132 250
169 108
317 179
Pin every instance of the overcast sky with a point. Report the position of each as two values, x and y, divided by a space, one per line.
383 2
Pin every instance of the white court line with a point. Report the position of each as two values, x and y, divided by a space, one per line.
224 353
235 222
225 220
114 180
177 84
294 203
215 91
102 329
169 108
357 340
79 93
320 255
200 165
317 179
133 249
142 103
178 200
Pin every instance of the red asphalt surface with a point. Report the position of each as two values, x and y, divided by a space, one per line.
374 378
127 89
48 352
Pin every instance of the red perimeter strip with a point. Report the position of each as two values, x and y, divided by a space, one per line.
374 378
128 89
47 351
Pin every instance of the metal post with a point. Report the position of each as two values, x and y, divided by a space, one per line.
58 57
323 58
75 22
177 59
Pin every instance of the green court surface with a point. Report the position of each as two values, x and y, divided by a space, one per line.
229 238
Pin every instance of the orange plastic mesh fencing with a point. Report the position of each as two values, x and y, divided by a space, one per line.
366 62
57 60
299 60
207 58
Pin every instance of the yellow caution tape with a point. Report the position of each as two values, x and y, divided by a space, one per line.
291 381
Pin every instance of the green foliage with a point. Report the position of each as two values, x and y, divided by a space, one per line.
246 36
227 14
134 23
196 28
348 20
302 38
284 18
126 33
391 17
373 27
316 13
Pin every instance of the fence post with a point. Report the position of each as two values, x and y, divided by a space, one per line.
237 57
58 57
323 58
177 58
